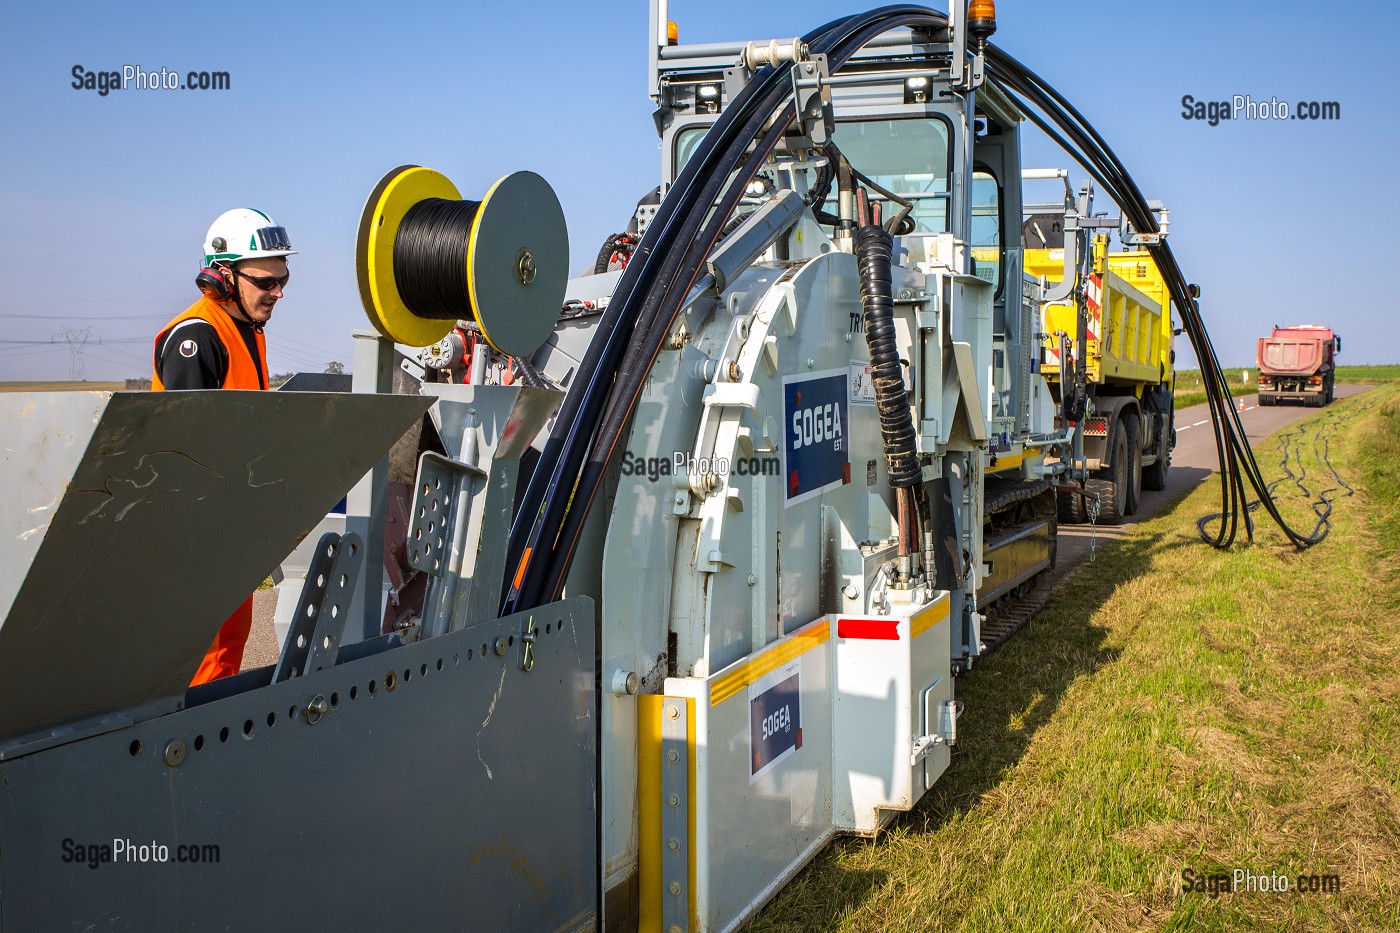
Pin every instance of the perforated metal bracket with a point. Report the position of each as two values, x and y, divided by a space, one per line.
434 503
313 641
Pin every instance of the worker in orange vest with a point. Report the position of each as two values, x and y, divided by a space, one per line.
217 343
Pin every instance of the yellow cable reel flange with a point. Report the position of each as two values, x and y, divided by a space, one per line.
390 200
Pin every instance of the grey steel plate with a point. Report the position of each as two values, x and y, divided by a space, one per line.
182 503
443 789
520 215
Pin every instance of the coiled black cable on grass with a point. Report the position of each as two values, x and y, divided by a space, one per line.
430 258
874 248
1044 106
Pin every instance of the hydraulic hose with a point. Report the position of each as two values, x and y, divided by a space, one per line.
874 248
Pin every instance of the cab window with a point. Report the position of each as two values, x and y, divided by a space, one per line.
909 157
986 227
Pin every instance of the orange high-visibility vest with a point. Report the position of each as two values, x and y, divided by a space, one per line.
243 373
225 656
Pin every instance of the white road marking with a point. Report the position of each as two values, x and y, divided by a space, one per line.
1197 424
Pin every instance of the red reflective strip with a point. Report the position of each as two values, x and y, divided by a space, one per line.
881 629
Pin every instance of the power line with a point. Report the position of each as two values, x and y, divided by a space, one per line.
83 317
55 339
110 301
310 346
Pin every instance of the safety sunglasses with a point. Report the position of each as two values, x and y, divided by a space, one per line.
266 282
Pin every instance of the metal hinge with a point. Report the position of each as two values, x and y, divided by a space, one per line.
527 645
812 94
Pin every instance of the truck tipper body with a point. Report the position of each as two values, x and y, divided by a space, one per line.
1128 368
1296 364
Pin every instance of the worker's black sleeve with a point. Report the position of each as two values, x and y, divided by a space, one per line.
191 356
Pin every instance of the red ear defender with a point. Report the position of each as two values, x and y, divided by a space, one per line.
214 283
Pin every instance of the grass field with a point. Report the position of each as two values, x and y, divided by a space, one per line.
1174 708
1368 375
62 386
1189 391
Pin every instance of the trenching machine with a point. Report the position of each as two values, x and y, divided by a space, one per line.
649 581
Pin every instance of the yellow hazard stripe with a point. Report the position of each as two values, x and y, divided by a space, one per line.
650 880
928 618
649 811
746 672
1010 461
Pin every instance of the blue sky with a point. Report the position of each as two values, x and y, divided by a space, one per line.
106 199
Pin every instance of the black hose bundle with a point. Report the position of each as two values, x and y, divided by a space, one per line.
647 298
666 264
874 248
430 252
616 248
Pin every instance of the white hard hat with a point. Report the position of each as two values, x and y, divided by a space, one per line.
245 233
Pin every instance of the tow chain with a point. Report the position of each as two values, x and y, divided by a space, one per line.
1092 508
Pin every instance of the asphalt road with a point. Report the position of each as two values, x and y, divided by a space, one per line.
1193 461
262 647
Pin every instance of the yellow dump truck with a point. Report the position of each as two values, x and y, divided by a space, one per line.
1128 433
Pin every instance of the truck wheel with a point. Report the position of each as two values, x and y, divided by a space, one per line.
1069 508
1112 483
1266 401
1154 476
1132 427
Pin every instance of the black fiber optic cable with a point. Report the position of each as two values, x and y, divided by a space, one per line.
429 249
553 484
665 265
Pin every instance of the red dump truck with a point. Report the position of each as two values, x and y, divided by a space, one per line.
1296 364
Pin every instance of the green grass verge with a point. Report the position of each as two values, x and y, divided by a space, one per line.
1173 708
1189 390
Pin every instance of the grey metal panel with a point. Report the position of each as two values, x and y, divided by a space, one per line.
491 428
45 434
182 503
462 797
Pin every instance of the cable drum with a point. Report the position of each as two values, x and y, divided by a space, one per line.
428 251
426 258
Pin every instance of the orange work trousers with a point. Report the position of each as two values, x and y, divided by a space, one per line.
225 656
